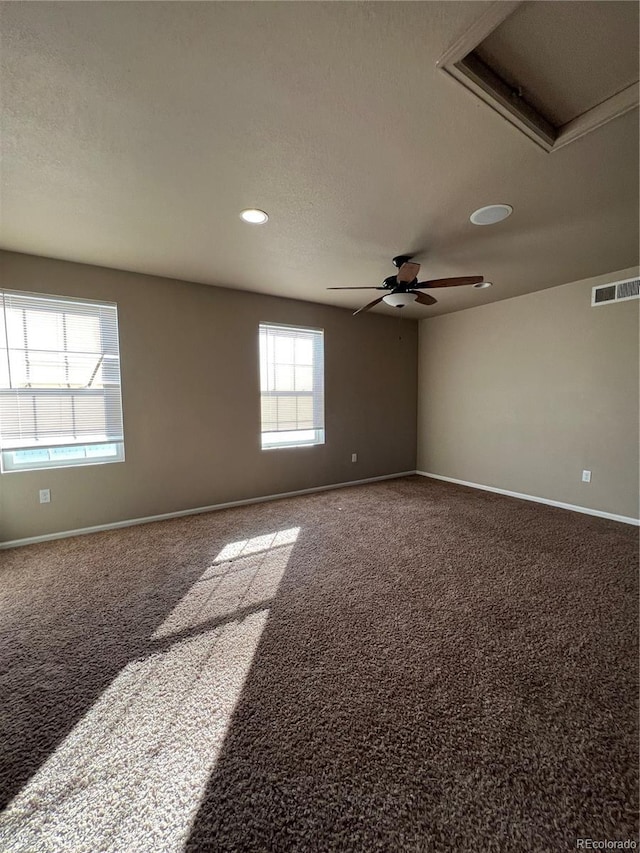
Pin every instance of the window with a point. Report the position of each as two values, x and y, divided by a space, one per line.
291 385
60 398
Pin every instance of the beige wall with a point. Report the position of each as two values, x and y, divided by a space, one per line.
525 393
190 390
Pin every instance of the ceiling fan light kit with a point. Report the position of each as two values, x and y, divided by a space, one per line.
399 300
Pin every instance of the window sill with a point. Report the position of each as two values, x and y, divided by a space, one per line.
290 446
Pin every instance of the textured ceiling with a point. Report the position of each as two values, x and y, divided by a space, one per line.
134 133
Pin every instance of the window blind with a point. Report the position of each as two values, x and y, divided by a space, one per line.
59 380
292 385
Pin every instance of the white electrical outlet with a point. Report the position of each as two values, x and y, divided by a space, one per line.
45 496
586 476
354 457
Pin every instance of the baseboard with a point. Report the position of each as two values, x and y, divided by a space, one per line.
47 537
583 509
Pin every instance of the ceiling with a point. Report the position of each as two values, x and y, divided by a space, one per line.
133 134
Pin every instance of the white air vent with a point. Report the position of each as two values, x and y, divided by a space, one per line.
618 291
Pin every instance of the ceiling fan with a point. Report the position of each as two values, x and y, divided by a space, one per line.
404 288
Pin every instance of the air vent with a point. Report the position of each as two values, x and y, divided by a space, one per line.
617 292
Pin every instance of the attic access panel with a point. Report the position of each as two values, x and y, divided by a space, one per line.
555 69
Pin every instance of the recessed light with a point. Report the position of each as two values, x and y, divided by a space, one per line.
482 284
254 216
491 214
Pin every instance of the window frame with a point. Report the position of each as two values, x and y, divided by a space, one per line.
10 466
318 395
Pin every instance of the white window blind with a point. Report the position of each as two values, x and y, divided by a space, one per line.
292 385
60 401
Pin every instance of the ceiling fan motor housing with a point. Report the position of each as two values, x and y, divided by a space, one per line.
392 283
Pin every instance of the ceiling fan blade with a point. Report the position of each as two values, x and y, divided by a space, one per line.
451 282
356 288
408 272
370 305
424 298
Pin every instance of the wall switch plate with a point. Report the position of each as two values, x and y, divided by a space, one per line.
586 476
45 496
354 457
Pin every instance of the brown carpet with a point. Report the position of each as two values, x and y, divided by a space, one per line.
402 666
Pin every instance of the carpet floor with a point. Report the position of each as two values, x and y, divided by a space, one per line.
402 666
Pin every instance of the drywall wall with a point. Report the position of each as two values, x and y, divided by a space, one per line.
525 393
191 401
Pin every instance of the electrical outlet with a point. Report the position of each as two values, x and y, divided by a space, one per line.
45 496
586 476
354 457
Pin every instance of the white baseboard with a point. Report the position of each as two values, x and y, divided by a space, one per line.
583 509
47 537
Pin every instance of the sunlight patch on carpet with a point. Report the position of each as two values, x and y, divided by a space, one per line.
259 543
131 774
244 574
